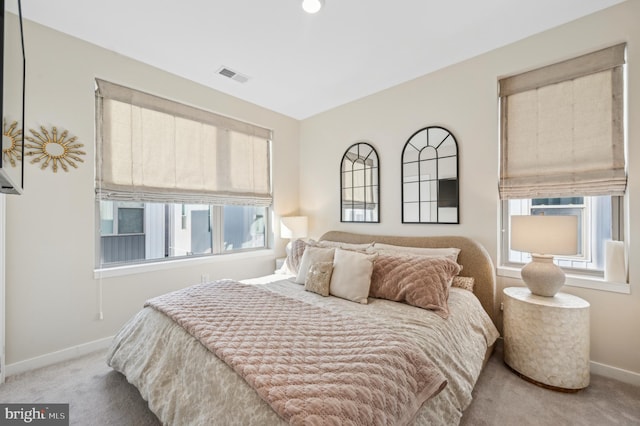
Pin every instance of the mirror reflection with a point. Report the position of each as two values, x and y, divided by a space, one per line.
359 184
430 177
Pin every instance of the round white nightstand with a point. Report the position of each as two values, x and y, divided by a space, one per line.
546 339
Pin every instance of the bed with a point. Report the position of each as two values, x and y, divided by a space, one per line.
186 384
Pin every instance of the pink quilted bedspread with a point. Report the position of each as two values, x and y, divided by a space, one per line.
313 366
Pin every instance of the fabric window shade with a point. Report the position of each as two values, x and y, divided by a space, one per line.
562 129
155 150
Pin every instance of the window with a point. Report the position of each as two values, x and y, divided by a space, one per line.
175 181
121 218
155 231
562 151
598 221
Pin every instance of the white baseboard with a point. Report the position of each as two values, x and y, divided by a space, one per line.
616 373
58 356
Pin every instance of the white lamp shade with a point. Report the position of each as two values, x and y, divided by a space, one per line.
551 235
293 227
312 6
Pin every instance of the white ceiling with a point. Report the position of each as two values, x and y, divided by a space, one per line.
300 64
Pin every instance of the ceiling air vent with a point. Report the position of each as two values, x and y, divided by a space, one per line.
227 72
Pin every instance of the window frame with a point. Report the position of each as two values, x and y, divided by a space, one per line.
217 237
266 254
617 233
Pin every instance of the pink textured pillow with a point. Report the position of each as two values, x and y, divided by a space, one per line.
417 280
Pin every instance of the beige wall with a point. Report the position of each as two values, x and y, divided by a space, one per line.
51 294
463 98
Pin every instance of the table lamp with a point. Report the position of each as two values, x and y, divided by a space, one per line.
544 237
293 227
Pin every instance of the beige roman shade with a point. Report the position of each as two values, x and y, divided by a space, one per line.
156 150
562 130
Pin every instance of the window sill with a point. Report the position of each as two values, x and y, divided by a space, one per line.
119 271
581 281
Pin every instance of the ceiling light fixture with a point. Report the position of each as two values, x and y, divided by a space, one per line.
312 6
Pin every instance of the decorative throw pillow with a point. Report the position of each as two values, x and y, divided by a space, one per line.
450 252
346 246
295 256
417 280
319 278
463 282
310 256
351 276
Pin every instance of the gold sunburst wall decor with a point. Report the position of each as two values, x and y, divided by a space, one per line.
53 148
11 142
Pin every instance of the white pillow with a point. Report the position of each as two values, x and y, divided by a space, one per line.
312 255
351 276
339 244
449 252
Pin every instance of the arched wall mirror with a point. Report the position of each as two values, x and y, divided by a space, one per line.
359 184
430 177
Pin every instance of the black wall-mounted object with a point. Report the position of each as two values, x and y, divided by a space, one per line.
430 183
360 184
7 185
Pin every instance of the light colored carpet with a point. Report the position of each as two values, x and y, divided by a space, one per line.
502 398
99 396
96 394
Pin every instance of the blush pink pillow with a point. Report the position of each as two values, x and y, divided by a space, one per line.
417 280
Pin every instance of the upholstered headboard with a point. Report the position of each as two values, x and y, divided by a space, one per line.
473 257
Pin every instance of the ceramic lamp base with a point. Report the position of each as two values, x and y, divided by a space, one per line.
542 276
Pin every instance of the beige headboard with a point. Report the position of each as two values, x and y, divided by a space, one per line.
473 257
